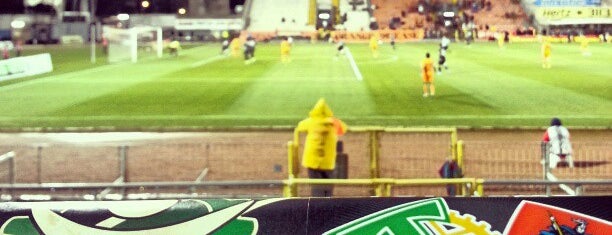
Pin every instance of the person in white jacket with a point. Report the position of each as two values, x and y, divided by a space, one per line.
557 138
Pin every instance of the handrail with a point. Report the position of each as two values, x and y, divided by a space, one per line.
544 182
10 157
383 184
7 156
172 184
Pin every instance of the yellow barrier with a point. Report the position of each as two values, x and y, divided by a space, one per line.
382 186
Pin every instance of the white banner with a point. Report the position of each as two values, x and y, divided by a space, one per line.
25 66
208 24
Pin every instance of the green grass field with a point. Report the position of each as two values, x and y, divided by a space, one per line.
486 86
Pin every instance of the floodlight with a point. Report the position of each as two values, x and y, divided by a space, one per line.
123 17
145 4
17 24
324 16
182 11
239 8
448 14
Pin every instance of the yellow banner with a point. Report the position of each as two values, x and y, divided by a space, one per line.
555 13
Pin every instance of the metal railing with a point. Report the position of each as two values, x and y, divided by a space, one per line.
141 190
9 158
374 142
384 161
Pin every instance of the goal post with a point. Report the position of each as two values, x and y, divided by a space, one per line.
133 43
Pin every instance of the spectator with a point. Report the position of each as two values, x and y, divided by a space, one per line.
5 53
320 147
450 169
105 45
557 138
19 48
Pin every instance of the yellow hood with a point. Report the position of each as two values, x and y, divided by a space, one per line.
321 110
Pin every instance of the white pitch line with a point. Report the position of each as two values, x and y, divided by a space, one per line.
208 60
54 77
349 55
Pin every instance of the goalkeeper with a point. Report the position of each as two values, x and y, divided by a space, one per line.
174 47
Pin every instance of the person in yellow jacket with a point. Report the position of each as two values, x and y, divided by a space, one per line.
319 156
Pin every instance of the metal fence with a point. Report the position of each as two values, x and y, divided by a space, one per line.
261 156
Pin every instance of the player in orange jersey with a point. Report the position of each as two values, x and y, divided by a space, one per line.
427 72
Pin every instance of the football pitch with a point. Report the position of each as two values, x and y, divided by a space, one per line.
485 86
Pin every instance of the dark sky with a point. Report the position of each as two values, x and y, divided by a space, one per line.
11 6
113 7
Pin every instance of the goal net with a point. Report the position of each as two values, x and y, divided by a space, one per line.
133 43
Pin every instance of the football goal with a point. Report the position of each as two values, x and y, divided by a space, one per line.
133 43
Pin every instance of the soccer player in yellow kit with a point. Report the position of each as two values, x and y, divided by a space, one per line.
546 51
427 72
374 45
584 46
235 46
285 49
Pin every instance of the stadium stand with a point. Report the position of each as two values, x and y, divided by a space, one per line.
282 16
355 16
399 15
505 15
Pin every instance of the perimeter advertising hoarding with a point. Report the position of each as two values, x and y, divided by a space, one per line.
557 13
329 216
25 66
567 2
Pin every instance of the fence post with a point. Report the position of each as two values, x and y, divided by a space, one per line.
290 190
10 159
123 165
453 147
374 154
579 190
11 170
39 165
545 168
480 187
459 148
